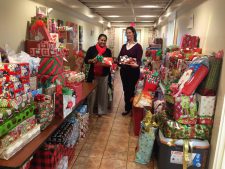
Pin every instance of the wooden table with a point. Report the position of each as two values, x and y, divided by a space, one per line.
23 155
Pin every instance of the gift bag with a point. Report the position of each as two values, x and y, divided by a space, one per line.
152 81
206 105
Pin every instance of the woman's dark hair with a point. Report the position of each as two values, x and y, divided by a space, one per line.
102 35
134 32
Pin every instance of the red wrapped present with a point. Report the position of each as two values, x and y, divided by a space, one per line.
51 65
30 44
47 157
45 52
185 109
108 61
205 120
45 81
11 90
46 44
152 81
40 27
10 69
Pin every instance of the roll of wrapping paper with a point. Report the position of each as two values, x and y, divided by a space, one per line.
186 158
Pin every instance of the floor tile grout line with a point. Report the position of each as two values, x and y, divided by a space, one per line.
110 132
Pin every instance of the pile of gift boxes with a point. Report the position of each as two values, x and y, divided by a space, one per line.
183 100
17 110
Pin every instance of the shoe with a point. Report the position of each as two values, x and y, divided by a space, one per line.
125 113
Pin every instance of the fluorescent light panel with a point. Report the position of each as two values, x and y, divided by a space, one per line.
146 16
105 6
150 6
113 16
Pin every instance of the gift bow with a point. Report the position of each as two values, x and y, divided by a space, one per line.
99 58
36 25
39 97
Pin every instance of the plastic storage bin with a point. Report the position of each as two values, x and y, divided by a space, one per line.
171 157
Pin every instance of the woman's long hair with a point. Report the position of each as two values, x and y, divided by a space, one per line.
134 32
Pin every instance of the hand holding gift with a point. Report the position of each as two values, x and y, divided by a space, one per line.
104 61
125 60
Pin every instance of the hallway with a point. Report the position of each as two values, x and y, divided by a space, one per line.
110 142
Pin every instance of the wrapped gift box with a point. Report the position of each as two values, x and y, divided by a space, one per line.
12 149
45 52
185 109
175 130
36 92
16 119
205 120
9 69
64 104
6 113
47 157
18 132
18 103
44 111
47 44
206 105
78 88
63 164
51 65
11 90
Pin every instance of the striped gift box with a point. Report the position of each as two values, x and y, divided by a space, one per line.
51 65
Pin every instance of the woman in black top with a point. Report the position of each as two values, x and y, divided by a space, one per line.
100 73
130 72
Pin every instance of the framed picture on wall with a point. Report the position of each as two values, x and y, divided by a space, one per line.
124 37
80 37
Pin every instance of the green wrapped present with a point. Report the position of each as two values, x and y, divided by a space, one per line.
175 130
17 119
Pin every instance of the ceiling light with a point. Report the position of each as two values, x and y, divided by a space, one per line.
150 6
147 21
113 16
109 25
101 21
74 6
146 16
168 14
50 10
118 21
91 16
105 6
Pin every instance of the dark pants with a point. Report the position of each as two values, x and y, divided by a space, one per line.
129 79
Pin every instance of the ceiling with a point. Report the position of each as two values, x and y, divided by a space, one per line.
122 11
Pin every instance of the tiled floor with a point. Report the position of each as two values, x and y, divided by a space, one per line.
110 142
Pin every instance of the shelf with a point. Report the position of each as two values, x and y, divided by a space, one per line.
23 155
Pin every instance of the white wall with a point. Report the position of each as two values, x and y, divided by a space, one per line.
14 15
146 34
209 24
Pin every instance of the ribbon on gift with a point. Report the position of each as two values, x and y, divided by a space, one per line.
99 58
59 89
39 98
185 154
67 91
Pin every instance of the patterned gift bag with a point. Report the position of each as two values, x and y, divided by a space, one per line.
145 146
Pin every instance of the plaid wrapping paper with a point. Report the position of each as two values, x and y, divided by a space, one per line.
64 104
175 130
12 149
206 105
17 119
18 103
185 109
51 65
47 157
45 81
18 132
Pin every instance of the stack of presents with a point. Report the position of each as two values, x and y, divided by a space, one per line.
34 90
179 117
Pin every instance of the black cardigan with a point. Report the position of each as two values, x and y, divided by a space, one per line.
92 53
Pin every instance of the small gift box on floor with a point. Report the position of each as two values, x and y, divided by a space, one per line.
65 102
